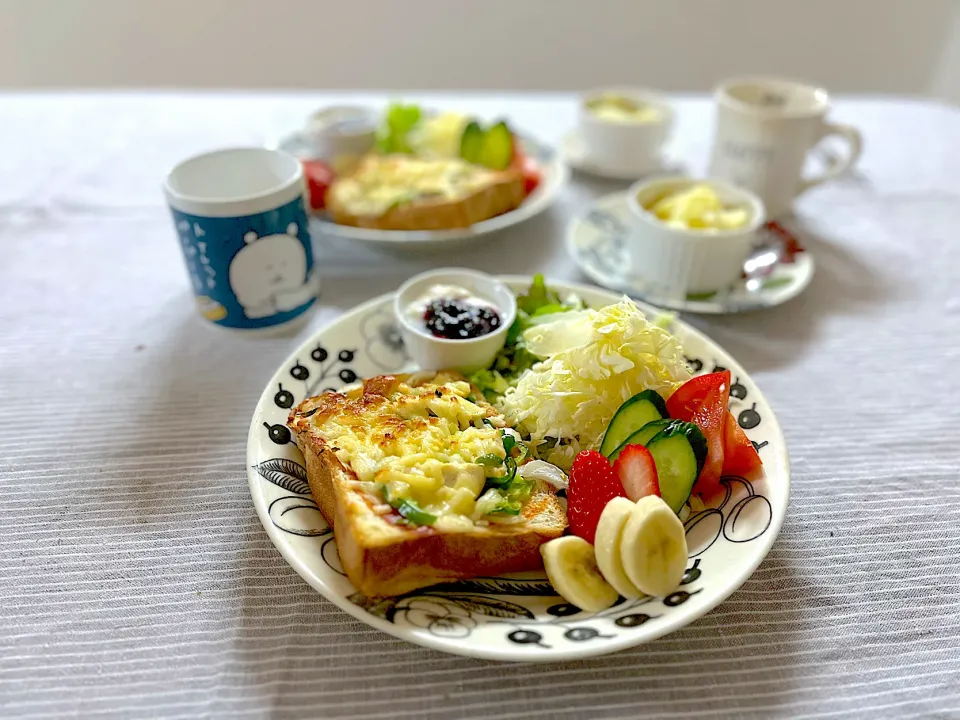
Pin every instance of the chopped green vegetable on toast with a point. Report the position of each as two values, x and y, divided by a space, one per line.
538 304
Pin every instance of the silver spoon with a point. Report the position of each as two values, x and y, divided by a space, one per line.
759 266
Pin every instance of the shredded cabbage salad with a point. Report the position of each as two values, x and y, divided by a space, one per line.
589 363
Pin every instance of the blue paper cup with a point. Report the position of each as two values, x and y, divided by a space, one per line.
240 217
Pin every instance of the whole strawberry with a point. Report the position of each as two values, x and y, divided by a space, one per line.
592 485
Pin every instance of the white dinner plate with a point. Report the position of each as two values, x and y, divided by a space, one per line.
596 240
554 175
517 617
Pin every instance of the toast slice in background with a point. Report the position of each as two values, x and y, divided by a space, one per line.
382 555
400 192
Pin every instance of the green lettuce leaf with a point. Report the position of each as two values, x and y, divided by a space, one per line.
398 121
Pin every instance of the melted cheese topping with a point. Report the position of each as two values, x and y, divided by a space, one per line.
421 443
383 182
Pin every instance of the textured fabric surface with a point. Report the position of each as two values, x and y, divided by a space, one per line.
136 580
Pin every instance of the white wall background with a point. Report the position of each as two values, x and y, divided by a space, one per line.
897 46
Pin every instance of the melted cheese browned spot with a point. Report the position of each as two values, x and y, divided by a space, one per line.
419 442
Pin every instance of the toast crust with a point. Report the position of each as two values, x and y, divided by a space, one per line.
382 557
504 192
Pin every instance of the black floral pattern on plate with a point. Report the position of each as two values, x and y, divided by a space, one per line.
278 433
444 614
328 365
455 610
707 526
296 514
609 250
382 340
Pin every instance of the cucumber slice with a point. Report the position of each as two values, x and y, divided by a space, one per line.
497 149
641 436
636 412
679 452
471 142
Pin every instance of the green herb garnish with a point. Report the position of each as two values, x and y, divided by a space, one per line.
509 442
537 305
499 483
490 460
509 507
538 296
398 121
776 282
410 510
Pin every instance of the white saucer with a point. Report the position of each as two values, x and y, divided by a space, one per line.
572 151
596 239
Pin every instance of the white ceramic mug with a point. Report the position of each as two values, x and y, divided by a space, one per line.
239 216
765 128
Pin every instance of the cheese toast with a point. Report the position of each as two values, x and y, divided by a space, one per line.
402 192
392 468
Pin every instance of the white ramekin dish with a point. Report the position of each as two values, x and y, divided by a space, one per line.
625 145
342 130
434 353
678 261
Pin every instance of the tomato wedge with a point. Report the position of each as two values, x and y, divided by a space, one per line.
703 400
691 395
528 167
739 455
710 417
319 177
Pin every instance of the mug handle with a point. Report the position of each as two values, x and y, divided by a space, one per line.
837 168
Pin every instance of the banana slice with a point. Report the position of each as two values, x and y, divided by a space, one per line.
607 543
653 547
572 569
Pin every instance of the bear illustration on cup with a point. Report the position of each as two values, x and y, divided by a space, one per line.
269 274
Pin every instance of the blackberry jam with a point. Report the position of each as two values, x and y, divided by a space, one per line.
459 319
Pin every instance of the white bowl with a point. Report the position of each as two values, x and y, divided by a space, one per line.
342 130
433 353
677 261
626 145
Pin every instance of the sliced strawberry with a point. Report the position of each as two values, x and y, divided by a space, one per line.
637 472
592 485
740 457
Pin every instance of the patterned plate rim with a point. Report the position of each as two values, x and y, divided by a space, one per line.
805 264
506 653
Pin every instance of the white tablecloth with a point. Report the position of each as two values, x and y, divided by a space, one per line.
136 580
